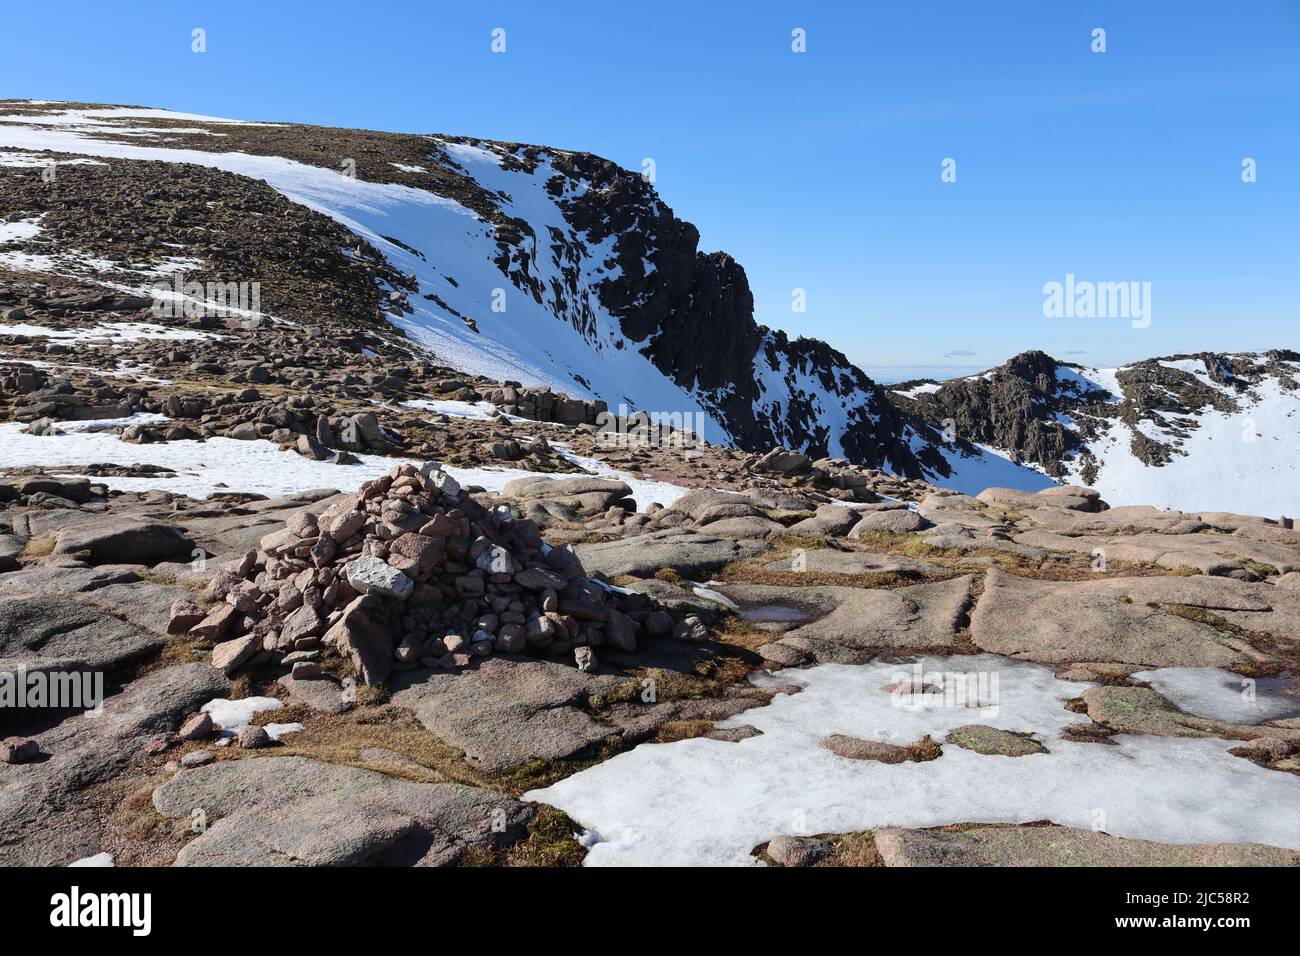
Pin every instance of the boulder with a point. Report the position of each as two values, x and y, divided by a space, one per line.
125 541
692 554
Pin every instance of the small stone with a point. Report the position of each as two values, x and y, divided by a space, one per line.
252 737
216 623
305 669
1262 748
183 616
303 524
620 632
660 624
690 629
346 525
510 639
231 655
196 727
197 758
540 579
445 483
369 575
993 741
855 748
18 750
797 851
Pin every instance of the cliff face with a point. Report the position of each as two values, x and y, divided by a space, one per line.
1016 407
692 314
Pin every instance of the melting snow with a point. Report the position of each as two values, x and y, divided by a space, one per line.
709 802
1222 695
113 331
257 466
233 714
475 411
925 388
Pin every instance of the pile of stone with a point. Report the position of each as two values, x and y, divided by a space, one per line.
411 571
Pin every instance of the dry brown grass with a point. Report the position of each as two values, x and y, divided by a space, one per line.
340 739
682 730
852 850
41 547
550 842
711 678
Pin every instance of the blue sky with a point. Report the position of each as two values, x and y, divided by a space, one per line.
821 170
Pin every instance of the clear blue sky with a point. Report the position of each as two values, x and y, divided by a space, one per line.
817 170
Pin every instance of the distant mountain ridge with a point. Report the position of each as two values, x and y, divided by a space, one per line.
1198 432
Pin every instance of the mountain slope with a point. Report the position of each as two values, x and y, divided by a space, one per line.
1194 432
520 263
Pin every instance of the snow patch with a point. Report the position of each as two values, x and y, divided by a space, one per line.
709 802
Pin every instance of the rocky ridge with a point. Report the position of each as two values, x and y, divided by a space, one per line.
1076 423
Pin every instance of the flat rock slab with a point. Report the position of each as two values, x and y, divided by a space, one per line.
145 604
322 694
1061 846
961 539
295 811
833 561
858 621
61 633
43 819
1127 519
41 581
957 509
895 520
506 711
246 524
1213 554
692 554
1109 621
835 520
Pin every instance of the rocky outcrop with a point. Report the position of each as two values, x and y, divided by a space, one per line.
1059 416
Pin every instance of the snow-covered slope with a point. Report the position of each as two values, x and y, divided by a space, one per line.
530 264
1210 432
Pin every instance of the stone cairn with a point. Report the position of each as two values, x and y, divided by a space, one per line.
411 571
